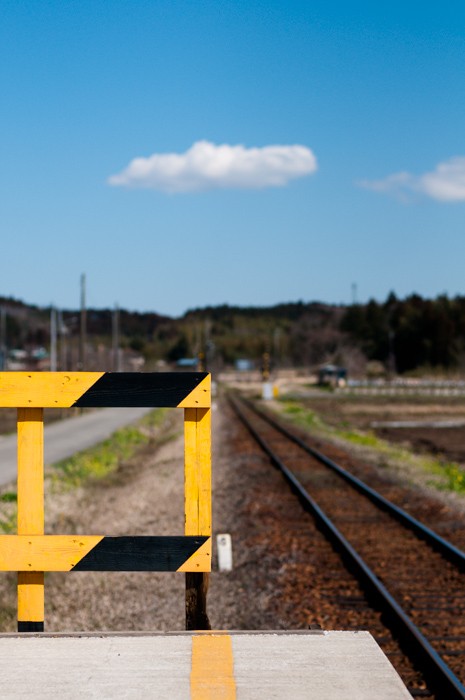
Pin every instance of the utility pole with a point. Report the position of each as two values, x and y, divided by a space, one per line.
115 337
3 350
277 345
209 346
53 339
62 332
82 338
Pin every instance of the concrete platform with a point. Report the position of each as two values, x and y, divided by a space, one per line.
198 666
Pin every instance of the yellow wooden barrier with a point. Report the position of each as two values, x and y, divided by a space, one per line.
31 552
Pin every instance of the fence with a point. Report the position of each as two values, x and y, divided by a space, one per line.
404 387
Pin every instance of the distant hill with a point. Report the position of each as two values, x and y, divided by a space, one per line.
402 335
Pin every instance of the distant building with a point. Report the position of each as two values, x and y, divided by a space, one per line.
332 375
187 363
36 359
244 365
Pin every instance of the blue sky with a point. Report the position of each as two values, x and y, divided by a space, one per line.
374 93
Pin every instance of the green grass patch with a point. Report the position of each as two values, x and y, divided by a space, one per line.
306 418
302 416
154 419
102 460
8 511
453 478
359 438
448 476
9 497
8 523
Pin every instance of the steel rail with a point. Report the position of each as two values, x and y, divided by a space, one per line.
445 548
438 674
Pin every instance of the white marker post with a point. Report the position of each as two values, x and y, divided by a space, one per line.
224 548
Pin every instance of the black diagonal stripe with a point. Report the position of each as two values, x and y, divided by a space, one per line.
140 553
25 626
140 389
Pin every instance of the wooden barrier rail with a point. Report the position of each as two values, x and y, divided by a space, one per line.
31 552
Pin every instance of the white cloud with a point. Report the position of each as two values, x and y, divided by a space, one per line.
445 184
206 166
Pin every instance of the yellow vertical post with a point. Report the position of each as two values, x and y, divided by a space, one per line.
197 499
30 513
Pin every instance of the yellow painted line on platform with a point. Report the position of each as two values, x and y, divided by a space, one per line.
44 389
212 674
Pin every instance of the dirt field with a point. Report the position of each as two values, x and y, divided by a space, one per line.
428 425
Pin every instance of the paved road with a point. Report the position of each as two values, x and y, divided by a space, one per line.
63 438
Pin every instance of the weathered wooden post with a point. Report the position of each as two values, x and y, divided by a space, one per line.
197 446
30 513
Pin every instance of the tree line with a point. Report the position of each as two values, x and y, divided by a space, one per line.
403 334
411 333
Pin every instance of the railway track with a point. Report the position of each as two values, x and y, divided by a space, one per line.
409 573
